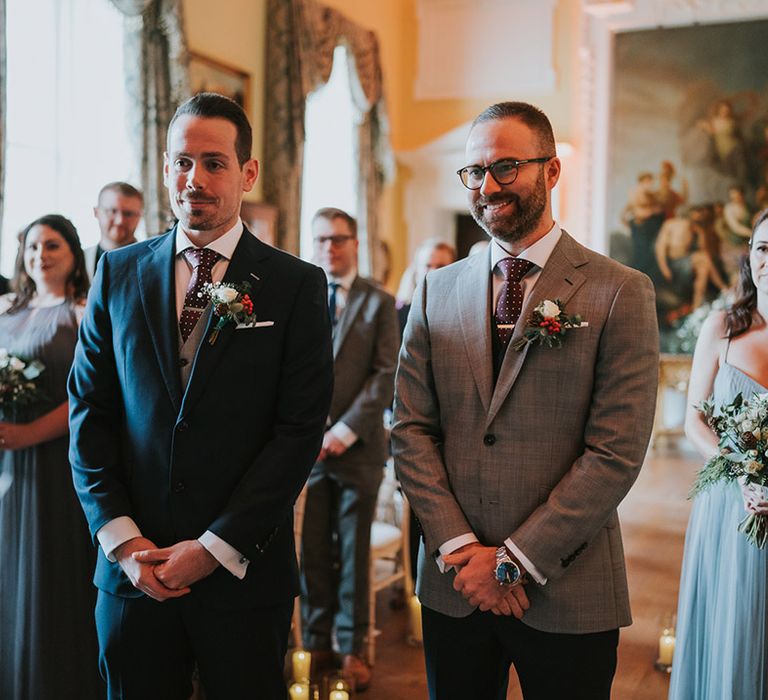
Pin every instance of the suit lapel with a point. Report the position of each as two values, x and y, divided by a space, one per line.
473 294
355 299
559 279
247 265
156 280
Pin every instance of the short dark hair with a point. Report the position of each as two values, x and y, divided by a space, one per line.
211 105
77 284
530 115
332 213
122 188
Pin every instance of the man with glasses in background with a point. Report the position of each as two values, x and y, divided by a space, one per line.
524 404
344 482
119 209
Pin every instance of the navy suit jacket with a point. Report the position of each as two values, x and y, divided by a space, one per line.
232 452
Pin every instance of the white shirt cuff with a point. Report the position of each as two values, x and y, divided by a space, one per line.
115 532
232 560
451 546
526 562
344 433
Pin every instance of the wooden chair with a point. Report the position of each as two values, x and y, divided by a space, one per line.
390 562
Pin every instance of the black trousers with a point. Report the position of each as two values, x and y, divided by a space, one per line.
469 657
335 558
148 650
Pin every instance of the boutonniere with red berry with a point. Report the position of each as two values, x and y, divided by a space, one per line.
231 304
547 325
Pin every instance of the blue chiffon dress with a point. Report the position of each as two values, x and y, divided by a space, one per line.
720 650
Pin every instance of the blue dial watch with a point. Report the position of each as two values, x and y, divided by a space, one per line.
507 571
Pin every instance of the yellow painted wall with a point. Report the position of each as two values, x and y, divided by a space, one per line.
234 32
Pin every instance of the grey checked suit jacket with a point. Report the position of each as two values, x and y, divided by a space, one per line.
544 456
365 345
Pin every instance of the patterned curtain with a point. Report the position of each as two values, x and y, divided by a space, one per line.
302 36
2 107
157 81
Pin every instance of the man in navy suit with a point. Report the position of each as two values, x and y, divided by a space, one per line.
188 447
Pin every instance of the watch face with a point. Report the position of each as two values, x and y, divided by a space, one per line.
507 572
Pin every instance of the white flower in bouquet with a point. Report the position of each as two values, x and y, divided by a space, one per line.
224 295
752 466
549 309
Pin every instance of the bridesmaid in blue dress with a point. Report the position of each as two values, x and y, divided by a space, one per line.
722 621
48 647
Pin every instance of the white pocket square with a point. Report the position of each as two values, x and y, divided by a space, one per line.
258 324
583 324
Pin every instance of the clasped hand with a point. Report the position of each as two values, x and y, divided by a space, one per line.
475 565
167 572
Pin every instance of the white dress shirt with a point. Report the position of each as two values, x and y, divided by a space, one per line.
538 254
123 528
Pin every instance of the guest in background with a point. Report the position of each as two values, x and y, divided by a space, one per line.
721 649
432 254
47 633
344 482
119 211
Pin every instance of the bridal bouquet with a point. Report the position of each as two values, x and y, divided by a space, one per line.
742 429
18 385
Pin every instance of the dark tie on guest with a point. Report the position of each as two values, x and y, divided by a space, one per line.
202 261
333 288
510 301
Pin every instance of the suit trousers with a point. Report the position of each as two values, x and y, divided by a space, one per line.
469 657
148 650
336 543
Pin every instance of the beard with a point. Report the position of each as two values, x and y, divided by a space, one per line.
516 226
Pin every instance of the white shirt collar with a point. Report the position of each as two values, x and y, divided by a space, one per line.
224 245
344 282
538 253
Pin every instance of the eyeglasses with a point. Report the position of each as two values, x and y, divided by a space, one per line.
335 241
126 213
503 171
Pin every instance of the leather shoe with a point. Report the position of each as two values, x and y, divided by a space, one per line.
357 672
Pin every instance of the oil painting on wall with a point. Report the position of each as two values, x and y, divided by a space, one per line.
688 163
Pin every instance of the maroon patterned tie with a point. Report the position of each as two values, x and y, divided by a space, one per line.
202 261
510 301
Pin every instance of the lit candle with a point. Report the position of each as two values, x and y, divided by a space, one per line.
301 661
338 695
299 691
414 609
667 647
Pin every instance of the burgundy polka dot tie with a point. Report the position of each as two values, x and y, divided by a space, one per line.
202 261
510 301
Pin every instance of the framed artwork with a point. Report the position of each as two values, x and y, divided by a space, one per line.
261 220
209 75
688 160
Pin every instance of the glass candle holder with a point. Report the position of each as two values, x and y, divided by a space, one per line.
666 645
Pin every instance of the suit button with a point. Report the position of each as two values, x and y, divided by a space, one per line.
181 427
489 439
183 362
178 487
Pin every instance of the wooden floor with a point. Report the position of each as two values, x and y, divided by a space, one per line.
653 517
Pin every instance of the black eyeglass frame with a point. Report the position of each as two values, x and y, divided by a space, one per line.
489 169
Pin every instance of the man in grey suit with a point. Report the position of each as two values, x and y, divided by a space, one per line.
119 209
516 455
344 482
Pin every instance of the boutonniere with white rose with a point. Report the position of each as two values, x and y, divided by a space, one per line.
547 325
231 304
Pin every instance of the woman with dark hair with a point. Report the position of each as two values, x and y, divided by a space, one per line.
47 634
722 632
